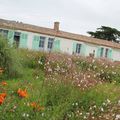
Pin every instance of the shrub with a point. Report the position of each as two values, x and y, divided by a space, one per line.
32 59
9 59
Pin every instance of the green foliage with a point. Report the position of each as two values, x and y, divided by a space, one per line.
103 72
83 65
9 59
62 100
65 100
32 59
106 33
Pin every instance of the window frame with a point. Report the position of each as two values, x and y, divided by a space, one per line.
78 48
102 52
106 52
42 42
50 44
4 32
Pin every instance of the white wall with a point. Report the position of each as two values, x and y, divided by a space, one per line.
116 54
30 38
90 48
66 45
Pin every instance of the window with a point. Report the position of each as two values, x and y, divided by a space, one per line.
17 38
42 42
0 30
17 34
4 32
50 43
101 52
106 52
78 47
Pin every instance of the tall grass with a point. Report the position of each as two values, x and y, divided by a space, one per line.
9 59
55 81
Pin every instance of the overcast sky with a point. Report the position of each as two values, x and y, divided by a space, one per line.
77 16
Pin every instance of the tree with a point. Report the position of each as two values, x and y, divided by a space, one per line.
106 33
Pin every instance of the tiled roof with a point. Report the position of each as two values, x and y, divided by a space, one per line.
32 28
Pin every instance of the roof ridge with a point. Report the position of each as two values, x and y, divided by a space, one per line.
49 31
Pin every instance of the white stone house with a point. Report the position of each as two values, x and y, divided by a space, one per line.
46 39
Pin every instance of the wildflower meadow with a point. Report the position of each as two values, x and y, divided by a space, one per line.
54 86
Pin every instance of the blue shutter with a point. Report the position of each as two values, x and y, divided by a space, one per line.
56 46
98 52
74 47
110 53
23 40
83 50
35 42
11 36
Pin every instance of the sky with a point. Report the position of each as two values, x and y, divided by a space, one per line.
76 16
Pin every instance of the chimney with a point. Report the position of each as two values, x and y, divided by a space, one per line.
56 26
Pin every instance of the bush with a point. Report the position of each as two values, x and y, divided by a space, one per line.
32 59
9 59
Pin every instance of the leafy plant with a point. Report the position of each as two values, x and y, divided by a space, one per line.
9 59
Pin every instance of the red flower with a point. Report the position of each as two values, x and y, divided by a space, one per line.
2 97
1 100
4 83
22 93
33 104
36 106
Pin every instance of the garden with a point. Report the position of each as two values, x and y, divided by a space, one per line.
53 86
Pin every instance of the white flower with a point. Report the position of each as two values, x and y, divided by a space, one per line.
88 76
104 104
76 104
113 66
42 114
103 63
117 117
94 106
93 117
101 109
106 66
73 104
27 115
37 77
94 76
15 107
108 100
81 113
39 62
90 108
23 114
49 70
85 117
93 60
119 102
69 115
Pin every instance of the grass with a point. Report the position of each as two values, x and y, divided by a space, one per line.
59 100
56 98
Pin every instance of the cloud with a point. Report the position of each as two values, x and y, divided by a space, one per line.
78 16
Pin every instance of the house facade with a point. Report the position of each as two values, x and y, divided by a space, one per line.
46 39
